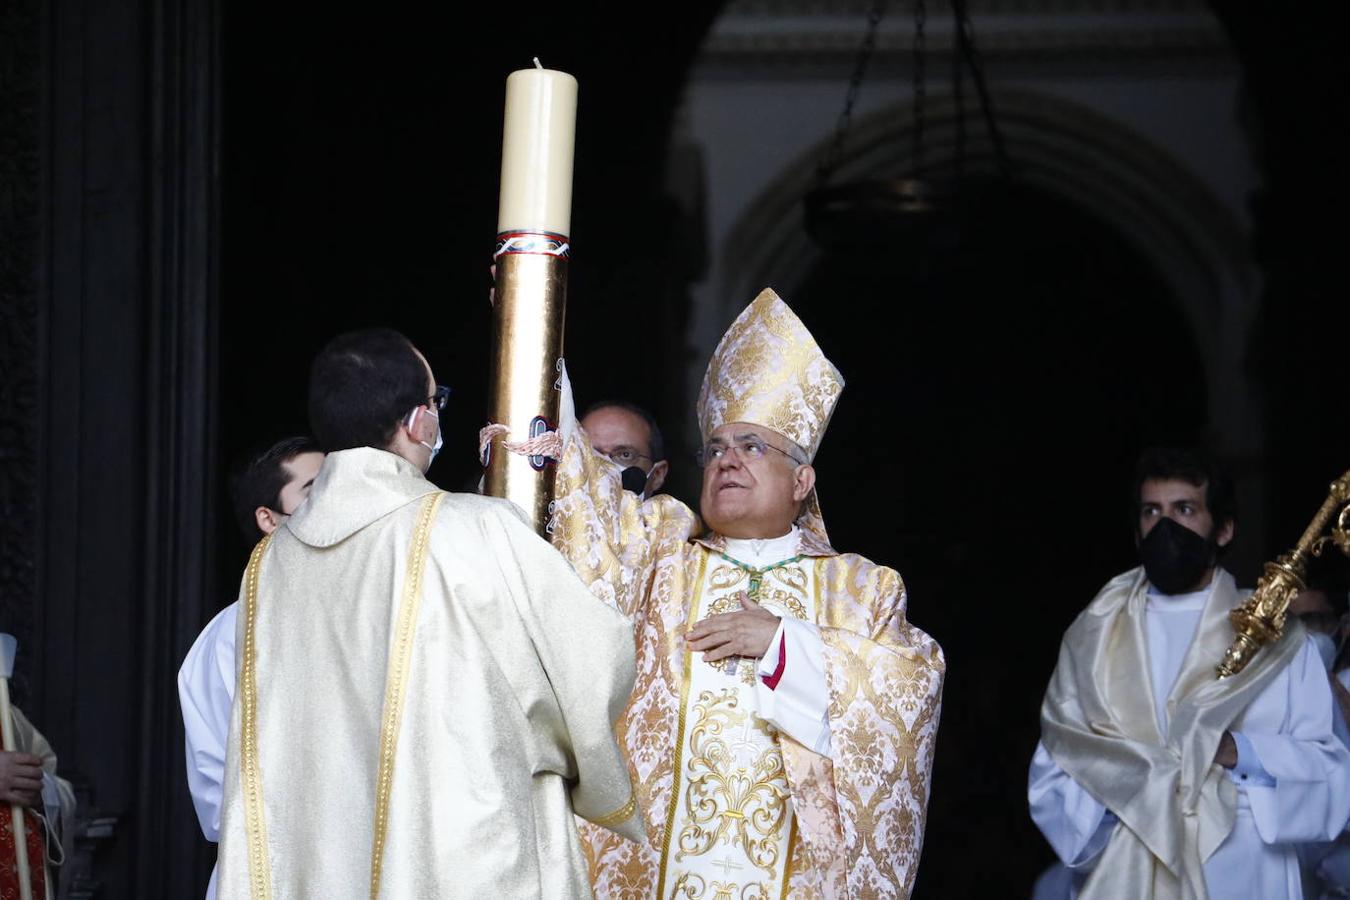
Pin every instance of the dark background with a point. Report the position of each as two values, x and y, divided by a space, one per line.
194 198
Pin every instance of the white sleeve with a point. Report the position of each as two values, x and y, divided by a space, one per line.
798 704
51 801
1073 822
206 693
1310 799
58 814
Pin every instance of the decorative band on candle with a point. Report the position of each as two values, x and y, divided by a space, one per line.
542 243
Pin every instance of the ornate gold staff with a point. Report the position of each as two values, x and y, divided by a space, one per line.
1260 619
533 220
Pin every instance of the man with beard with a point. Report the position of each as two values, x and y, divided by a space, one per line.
1154 778
782 727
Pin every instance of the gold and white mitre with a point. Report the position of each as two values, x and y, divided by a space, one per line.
768 370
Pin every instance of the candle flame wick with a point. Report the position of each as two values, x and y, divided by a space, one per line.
537 64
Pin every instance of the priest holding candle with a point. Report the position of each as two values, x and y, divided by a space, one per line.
425 691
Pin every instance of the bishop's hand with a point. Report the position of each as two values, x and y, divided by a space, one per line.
746 632
20 778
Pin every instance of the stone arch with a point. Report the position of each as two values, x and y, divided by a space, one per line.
1066 149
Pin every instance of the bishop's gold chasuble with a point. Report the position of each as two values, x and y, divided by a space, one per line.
734 808
732 835
425 698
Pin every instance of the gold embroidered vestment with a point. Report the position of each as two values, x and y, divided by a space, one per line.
732 807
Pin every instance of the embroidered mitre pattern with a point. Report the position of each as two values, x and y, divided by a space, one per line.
768 371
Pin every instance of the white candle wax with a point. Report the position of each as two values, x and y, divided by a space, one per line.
537 147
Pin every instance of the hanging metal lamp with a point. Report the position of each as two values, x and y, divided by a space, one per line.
925 197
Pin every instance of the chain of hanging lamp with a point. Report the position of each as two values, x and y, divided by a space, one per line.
966 50
830 161
966 56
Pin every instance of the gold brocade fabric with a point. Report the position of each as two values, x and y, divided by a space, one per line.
1099 723
769 371
731 825
858 816
481 712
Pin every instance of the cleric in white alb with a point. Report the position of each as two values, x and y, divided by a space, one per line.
1153 777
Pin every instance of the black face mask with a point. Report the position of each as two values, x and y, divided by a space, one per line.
1175 557
634 480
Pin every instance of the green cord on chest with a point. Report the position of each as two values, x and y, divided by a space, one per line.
757 575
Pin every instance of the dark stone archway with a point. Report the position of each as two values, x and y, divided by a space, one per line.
1004 371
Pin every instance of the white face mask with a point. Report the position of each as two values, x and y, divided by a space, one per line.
434 448
1326 647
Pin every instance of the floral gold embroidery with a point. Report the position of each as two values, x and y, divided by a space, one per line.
736 791
693 887
780 588
769 370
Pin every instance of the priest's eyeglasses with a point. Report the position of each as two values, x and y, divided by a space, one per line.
747 447
440 398
625 456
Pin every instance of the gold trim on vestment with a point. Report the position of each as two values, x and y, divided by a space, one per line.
790 864
791 848
255 825
679 728
619 815
396 678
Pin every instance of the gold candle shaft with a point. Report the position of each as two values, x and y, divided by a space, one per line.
527 320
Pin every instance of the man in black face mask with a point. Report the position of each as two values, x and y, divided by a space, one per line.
1153 777
630 437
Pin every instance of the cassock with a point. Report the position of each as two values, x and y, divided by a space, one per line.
425 694
805 773
1124 786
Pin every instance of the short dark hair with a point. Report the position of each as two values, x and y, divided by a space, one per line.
658 443
1193 466
259 478
361 385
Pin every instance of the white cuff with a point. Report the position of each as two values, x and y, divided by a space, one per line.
51 800
799 705
768 663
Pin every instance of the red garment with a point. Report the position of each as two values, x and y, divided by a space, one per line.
37 857
771 681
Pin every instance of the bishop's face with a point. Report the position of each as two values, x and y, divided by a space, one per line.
753 486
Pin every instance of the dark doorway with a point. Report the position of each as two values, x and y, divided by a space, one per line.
1004 369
